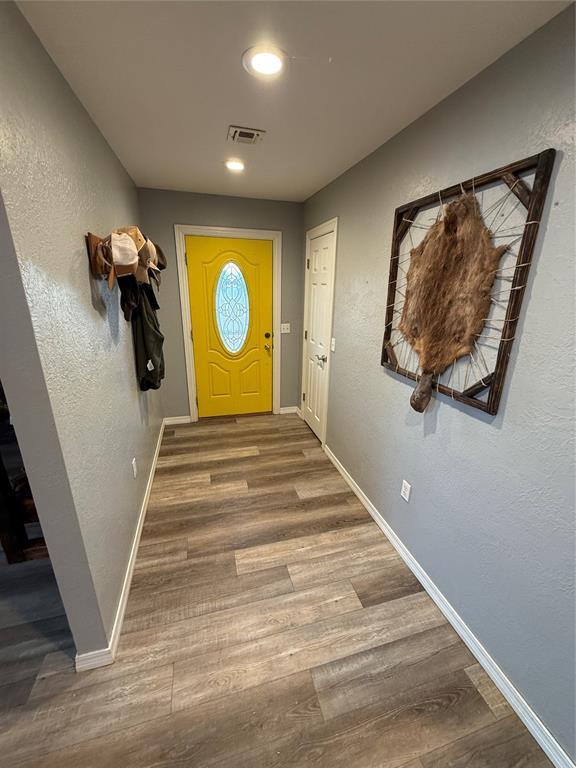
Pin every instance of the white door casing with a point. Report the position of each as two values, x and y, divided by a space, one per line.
318 306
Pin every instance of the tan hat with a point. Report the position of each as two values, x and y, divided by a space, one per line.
124 254
147 259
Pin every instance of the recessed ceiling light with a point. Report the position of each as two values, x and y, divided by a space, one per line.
235 165
264 60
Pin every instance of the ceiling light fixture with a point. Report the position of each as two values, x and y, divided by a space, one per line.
235 165
265 60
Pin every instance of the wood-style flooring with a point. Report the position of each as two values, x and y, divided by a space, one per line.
270 624
32 625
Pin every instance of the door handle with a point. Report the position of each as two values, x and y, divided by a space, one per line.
267 347
322 358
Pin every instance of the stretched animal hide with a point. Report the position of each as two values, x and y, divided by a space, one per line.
449 282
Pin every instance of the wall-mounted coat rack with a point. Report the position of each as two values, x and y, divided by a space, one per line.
134 261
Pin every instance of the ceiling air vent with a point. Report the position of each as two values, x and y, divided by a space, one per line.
239 135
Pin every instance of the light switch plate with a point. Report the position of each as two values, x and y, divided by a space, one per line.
333 345
134 467
285 328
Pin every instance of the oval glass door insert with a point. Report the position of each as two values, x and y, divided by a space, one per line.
232 307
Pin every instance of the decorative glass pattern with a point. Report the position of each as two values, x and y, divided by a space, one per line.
232 307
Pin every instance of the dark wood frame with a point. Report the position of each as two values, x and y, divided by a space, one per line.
533 200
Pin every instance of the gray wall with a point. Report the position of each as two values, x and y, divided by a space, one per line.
160 210
66 357
491 514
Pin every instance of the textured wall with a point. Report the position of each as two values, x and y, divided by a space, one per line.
491 515
59 179
160 210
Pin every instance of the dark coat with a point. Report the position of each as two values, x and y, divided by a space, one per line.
148 340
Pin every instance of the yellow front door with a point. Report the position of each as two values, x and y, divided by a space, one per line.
230 288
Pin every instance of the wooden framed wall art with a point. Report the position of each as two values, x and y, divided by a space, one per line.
458 271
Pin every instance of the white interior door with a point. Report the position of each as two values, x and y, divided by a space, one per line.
320 267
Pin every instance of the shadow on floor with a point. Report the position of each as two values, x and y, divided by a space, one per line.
32 625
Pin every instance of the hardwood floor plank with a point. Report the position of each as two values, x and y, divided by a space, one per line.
268 418
13 672
28 592
391 580
488 691
207 633
191 572
202 433
287 446
275 476
146 610
503 744
249 529
18 640
314 452
169 458
308 488
283 483
24 646
15 694
412 764
217 498
238 439
374 675
256 662
198 738
195 493
160 553
194 476
58 675
184 468
193 513
390 735
306 547
345 564
70 718
57 665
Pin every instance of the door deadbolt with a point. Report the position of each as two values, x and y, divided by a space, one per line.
267 335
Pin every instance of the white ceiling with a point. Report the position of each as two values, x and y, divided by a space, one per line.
163 80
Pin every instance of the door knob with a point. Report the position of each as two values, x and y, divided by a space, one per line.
267 347
322 358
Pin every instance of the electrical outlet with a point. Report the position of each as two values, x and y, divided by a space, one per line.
405 491
333 345
134 466
285 328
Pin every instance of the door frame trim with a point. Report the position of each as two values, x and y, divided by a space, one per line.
180 232
331 225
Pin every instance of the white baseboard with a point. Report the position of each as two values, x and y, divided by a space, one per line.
94 659
169 420
104 656
518 703
289 409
